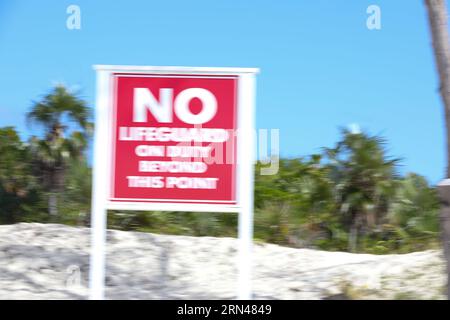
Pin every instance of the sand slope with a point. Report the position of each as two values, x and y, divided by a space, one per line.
50 261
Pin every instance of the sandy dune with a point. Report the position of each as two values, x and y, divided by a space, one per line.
49 261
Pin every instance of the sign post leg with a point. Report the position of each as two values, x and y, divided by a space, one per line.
244 255
98 210
97 260
246 137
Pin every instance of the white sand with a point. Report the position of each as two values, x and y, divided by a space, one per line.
49 261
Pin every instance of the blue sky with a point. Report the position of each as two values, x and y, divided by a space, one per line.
321 68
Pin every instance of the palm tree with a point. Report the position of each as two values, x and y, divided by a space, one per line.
437 17
16 180
415 209
293 207
65 119
364 180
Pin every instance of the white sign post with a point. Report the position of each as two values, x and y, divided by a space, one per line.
112 189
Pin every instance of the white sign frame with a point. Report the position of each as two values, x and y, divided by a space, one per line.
102 166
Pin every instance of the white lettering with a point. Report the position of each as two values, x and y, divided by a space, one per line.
191 183
172 166
149 151
209 105
145 182
144 99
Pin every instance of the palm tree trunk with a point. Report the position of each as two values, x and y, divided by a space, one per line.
437 16
53 204
353 238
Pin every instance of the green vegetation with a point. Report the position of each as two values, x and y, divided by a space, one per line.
53 154
349 198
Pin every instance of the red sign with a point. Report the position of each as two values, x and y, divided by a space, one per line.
173 138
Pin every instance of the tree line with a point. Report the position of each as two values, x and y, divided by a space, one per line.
348 197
